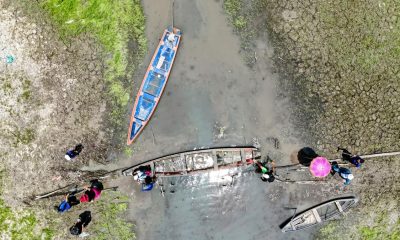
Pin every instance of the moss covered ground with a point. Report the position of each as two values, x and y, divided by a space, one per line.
115 24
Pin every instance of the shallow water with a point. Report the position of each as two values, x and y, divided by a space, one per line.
209 207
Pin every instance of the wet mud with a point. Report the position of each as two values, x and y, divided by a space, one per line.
213 99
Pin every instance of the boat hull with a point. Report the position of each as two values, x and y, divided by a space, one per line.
318 214
198 161
154 82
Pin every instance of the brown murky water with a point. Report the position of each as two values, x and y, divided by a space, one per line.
214 99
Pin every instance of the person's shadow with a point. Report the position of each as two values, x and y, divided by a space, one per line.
306 155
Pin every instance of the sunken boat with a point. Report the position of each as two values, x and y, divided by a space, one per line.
197 161
318 214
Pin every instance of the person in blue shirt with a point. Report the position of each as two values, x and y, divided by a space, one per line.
73 153
344 173
69 201
349 157
148 184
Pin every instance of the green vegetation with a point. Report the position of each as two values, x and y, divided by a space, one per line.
26 90
21 225
109 224
7 87
328 231
24 136
381 229
114 24
246 18
128 151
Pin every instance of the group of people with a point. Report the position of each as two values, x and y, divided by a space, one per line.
144 177
345 173
267 168
90 194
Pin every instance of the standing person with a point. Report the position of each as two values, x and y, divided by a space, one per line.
344 173
69 201
93 192
81 223
73 153
349 157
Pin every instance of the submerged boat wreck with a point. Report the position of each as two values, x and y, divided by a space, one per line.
196 161
319 214
154 82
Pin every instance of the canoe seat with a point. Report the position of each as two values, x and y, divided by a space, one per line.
144 108
160 62
154 83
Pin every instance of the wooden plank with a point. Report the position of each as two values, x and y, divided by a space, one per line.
293 226
316 215
183 158
339 206
214 156
243 155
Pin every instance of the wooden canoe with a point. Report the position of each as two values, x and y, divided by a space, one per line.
319 214
154 82
196 161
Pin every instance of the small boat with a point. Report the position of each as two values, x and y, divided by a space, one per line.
154 82
319 214
196 161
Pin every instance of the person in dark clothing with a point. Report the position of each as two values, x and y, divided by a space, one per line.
267 169
73 153
148 184
93 192
81 223
69 201
344 173
349 157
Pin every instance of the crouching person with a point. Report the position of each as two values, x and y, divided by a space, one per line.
93 192
81 224
344 173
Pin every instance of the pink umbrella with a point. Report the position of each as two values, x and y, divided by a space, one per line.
320 167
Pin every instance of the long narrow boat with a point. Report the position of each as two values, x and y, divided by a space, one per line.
319 214
196 161
154 82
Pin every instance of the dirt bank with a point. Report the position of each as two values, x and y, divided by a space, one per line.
52 99
336 62
53 95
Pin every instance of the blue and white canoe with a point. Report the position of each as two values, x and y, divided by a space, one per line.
154 82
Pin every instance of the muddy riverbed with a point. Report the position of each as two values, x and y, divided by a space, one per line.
213 99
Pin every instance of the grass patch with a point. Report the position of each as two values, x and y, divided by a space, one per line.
381 229
113 23
26 90
7 87
367 221
109 224
244 19
128 151
21 225
24 136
